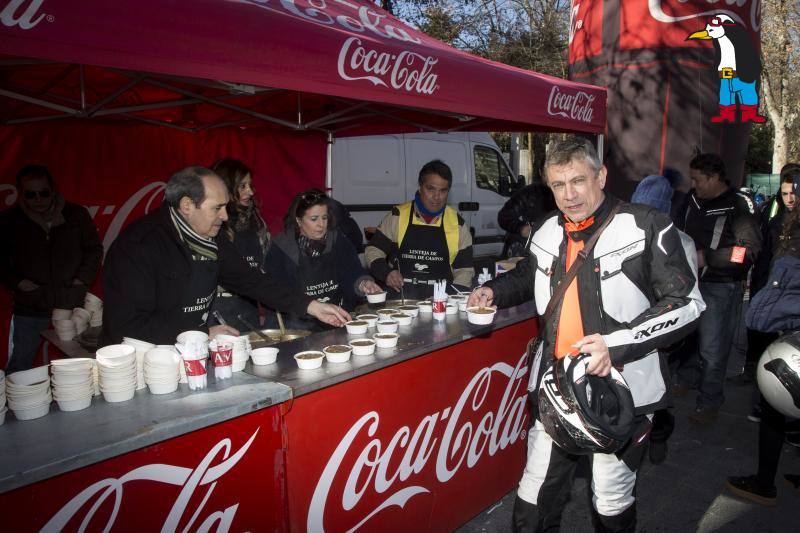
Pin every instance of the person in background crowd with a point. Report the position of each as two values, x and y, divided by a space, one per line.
428 239
161 274
314 256
522 212
725 231
657 192
346 224
599 318
760 488
772 219
49 255
248 233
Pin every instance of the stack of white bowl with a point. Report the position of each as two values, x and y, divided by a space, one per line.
241 350
180 367
94 305
141 347
65 328
3 407
61 314
29 393
73 383
162 370
81 318
116 366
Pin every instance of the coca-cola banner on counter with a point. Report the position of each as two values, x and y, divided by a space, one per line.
227 477
420 446
663 88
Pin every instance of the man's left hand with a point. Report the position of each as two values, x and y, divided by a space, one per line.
595 346
370 287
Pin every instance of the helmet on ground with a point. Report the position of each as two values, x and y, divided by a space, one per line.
583 413
778 375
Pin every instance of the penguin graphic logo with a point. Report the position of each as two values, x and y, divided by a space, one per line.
738 65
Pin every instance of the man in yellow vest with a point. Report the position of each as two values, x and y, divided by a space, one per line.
426 239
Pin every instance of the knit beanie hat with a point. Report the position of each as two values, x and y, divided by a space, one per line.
654 191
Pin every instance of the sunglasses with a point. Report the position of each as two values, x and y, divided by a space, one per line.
30 195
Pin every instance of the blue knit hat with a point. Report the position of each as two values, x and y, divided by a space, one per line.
654 191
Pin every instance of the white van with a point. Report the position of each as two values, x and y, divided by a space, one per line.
371 174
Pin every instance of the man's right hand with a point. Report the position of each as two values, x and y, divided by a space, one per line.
481 297
328 313
213 331
27 285
395 280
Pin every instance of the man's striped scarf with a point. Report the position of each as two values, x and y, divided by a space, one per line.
202 249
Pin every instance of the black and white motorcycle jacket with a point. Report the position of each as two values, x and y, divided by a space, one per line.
638 290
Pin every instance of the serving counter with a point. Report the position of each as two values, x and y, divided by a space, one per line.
421 436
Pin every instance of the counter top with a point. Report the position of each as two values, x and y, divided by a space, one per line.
59 442
106 430
424 335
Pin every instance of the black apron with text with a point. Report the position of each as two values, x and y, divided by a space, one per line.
198 295
424 258
230 306
318 277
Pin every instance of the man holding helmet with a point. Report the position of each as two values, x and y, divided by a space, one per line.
632 292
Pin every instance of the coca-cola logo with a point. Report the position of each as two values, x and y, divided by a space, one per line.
360 19
678 11
576 105
363 465
22 13
111 492
407 71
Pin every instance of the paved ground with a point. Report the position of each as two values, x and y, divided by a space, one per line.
687 492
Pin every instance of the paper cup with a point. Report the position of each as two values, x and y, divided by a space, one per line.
370 319
338 353
481 315
376 298
439 309
264 356
387 326
309 360
363 347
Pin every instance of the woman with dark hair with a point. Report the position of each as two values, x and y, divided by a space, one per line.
312 253
250 236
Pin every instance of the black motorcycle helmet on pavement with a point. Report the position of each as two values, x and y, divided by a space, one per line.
583 413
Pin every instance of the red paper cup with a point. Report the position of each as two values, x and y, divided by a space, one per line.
194 367
223 355
439 306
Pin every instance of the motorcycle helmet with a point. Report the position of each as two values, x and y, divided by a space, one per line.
778 375
583 413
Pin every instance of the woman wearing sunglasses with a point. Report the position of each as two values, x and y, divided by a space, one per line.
314 254
248 232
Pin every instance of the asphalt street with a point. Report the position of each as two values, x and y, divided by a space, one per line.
687 492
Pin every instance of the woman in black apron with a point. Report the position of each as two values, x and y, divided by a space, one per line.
312 253
250 236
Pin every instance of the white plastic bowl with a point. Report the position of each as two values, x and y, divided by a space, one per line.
480 318
192 336
402 319
376 298
75 405
163 388
237 365
32 413
387 325
356 327
162 358
412 310
462 306
451 309
337 357
264 356
382 341
28 377
425 307
385 313
119 396
368 349
3 412
370 319
310 363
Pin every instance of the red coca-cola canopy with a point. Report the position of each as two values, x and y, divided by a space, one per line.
343 66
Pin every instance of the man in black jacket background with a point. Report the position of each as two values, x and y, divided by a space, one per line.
161 273
520 213
725 230
49 255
